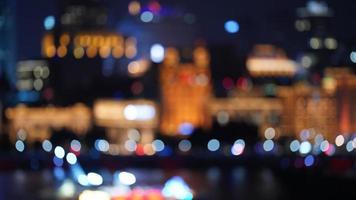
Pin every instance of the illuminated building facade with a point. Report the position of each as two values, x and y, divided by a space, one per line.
185 92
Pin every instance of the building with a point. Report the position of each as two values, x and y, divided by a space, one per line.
185 92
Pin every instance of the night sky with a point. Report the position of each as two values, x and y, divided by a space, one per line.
269 21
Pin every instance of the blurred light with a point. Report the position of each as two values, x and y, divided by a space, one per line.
176 188
185 145
58 162
83 180
238 148
270 133
223 117
268 145
324 146
38 84
349 146
102 145
67 189
232 26
78 52
94 195
47 145
127 178
306 61
309 160
134 7
339 140
59 152
22 135
91 51
305 147
49 22
134 134
318 139
157 53
146 16
158 145
294 146
75 145
130 145
304 134
139 112
315 43
62 51
354 142
331 150
148 149
59 173
20 145
94 179
353 56
330 43
71 158
213 145
228 83
186 128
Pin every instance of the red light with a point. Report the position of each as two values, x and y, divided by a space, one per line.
228 83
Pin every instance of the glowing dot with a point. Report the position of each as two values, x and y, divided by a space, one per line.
186 128
294 146
213 145
349 146
57 161
71 158
130 112
78 52
102 145
270 133
353 56
94 179
83 180
59 152
268 145
309 160
47 145
305 147
315 43
75 145
134 7
339 140
158 145
130 145
127 178
232 26
324 146
157 53
38 84
306 61
146 16
238 147
223 117
176 188
49 22
330 43
185 145
20 145
134 134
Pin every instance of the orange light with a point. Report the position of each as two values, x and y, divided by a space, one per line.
61 51
104 51
134 7
64 39
91 51
50 51
118 52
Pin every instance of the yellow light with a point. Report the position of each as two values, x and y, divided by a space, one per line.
118 52
50 51
78 52
91 51
130 50
94 195
64 39
104 51
134 8
61 51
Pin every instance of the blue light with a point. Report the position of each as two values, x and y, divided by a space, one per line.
213 145
268 145
232 26
176 188
186 128
146 16
309 161
49 23
157 53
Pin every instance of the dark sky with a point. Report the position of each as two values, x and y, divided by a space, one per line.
261 21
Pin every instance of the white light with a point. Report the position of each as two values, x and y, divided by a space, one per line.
232 26
158 145
102 145
294 146
59 152
330 43
94 195
139 112
127 178
83 180
324 146
305 147
75 145
185 145
315 43
176 188
146 16
20 146
353 56
270 133
213 145
268 145
67 189
47 145
130 145
339 140
134 134
49 22
223 117
94 179
157 53
238 147
71 158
